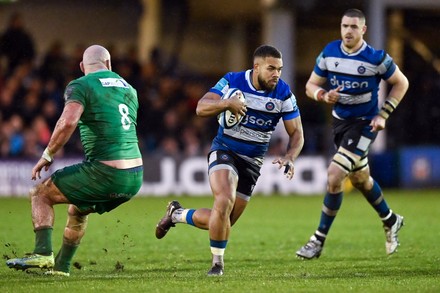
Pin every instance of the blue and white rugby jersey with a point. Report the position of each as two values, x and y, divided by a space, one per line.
359 74
250 138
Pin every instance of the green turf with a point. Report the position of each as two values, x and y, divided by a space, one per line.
120 253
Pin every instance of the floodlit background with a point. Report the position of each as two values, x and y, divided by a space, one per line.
173 51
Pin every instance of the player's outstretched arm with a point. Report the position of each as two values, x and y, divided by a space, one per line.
296 142
211 104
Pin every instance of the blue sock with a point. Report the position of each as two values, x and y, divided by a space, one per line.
189 217
377 201
218 243
332 203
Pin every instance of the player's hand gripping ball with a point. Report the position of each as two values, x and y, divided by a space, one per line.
227 119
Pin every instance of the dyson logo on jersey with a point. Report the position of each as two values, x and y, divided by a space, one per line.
348 84
256 121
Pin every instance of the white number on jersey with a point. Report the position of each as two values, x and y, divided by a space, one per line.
125 121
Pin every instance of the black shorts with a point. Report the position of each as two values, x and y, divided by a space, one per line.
247 172
353 135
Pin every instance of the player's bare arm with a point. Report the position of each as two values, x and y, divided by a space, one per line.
315 91
296 142
314 83
64 128
211 104
400 85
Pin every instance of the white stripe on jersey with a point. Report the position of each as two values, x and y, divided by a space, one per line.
351 66
259 103
354 99
244 133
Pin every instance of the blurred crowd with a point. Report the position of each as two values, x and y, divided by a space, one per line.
31 98
32 88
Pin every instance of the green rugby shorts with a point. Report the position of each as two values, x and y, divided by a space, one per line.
98 186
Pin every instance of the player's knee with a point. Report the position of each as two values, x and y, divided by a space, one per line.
33 192
334 186
358 184
45 191
40 190
223 205
228 201
335 179
361 180
77 221
77 224
224 198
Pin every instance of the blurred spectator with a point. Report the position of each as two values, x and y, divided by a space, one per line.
191 144
73 70
52 91
7 94
51 112
42 131
12 139
16 44
169 147
277 146
32 148
54 64
129 67
30 107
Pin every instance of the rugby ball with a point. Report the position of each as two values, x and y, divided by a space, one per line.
226 119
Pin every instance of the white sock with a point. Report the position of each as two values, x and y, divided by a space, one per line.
217 255
179 216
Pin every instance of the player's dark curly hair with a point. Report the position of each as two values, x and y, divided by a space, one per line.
267 51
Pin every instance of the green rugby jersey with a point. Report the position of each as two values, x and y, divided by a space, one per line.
108 124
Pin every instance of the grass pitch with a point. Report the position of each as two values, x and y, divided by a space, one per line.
120 253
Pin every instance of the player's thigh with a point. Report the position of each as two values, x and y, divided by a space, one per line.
223 183
49 191
223 174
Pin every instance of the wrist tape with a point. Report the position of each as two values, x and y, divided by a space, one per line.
47 155
388 107
318 95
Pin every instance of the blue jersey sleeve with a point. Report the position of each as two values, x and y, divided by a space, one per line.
320 66
222 86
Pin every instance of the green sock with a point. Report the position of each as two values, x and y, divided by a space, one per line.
64 257
43 240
